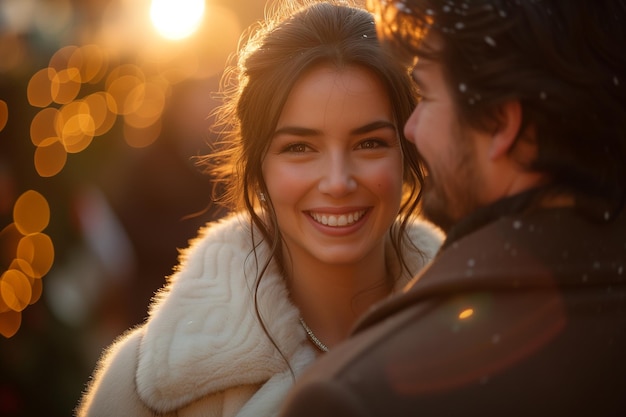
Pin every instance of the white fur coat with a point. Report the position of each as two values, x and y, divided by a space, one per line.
202 351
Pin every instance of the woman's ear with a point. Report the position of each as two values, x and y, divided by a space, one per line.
509 116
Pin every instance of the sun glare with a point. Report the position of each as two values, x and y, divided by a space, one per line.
176 19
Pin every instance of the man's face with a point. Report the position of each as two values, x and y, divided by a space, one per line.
454 181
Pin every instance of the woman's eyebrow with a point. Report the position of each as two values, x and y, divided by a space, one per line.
305 131
296 131
370 127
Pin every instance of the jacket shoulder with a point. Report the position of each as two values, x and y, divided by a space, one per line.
111 392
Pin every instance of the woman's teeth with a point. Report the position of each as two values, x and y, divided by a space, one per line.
337 220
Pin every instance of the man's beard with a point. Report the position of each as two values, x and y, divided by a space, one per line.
434 207
449 196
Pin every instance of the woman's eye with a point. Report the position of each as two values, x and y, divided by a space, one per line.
372 144
295 148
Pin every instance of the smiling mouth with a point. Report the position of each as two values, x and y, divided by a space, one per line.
337 220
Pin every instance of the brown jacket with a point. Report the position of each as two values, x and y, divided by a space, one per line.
523 316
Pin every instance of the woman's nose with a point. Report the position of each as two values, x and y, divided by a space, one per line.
337 178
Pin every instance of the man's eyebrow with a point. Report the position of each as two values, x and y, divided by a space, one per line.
307 132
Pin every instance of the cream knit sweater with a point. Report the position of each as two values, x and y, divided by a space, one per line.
202 351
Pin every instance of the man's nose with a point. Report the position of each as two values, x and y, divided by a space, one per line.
409 126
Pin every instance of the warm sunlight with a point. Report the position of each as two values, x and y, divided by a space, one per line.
176 19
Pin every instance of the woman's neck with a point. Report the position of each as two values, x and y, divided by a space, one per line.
332 297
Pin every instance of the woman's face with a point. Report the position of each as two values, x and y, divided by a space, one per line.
333 170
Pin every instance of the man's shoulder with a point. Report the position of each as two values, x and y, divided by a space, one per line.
485 320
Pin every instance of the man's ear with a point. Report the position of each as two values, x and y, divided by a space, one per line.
507 129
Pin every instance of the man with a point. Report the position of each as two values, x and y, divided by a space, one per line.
522 126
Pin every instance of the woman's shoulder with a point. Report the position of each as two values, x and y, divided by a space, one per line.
217 259
112 388
202 325
225 239
233 229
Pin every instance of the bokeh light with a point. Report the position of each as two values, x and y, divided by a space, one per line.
4 114
31 213
39 90
466 313
68 121
15 290
29 254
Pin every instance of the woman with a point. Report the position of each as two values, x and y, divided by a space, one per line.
324 187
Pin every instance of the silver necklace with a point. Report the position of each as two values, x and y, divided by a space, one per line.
318 344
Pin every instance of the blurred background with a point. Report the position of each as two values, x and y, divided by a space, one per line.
103 105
